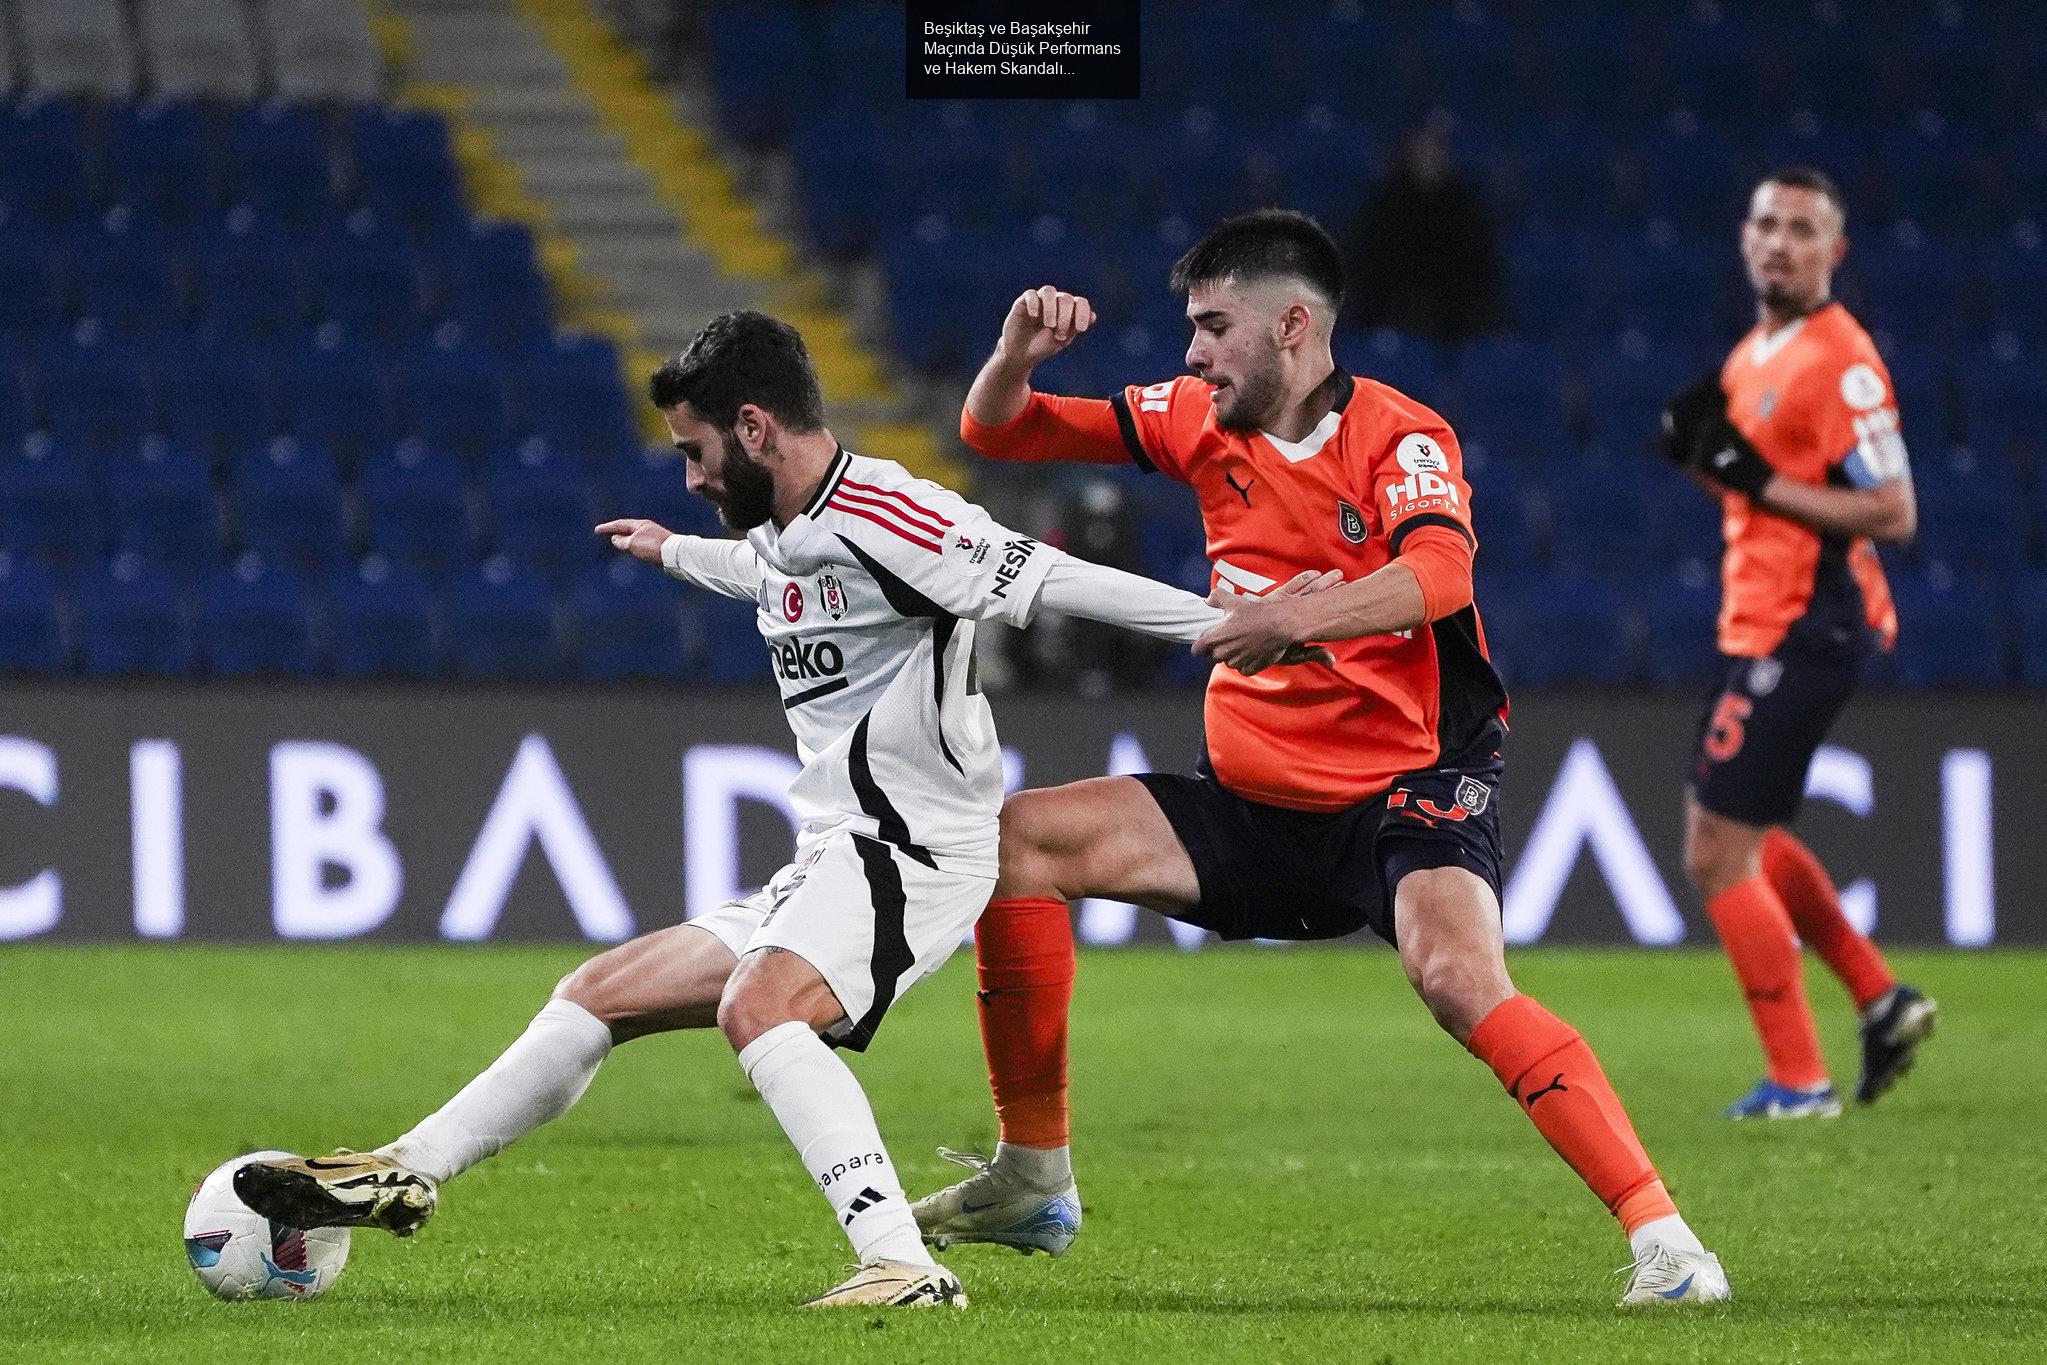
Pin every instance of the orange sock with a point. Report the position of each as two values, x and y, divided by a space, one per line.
1024 947
1548 1068
1808 894
1756 931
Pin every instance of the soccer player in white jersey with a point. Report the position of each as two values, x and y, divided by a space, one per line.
868 583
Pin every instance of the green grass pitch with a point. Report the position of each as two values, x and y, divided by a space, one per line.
1281 1160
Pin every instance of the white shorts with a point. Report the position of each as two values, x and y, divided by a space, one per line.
873 921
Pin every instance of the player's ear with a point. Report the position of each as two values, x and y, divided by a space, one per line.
1294 324
754 428
1840 250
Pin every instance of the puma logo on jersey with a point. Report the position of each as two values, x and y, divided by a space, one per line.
1243 489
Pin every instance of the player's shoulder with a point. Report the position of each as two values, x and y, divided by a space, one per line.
1186 395
1379 414
1839 332
864 497
1845 360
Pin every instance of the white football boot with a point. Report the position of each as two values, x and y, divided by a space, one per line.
895 1284
342 1190
1663 1274
991 1206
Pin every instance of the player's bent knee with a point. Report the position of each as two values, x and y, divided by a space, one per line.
772 987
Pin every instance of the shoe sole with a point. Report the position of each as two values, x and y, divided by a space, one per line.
943 1240
1915 1028
299 1200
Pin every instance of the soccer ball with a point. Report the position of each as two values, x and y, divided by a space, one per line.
239 1254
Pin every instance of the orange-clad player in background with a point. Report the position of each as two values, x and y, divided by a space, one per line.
1798 436
1358 791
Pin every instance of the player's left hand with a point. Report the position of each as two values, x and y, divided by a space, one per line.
1727 458
1264 632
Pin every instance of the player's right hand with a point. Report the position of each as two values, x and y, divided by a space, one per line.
638 537
1042 323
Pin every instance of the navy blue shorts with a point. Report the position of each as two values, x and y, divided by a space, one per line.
1759 734
1269 872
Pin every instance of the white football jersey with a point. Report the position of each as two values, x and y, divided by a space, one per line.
867 601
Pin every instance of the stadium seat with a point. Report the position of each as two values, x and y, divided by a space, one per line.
31 625
2030 594
159 158
133 619
1972 515
405 168
47 508
368 279
335 390
575 395
198 49
288 500
628 616
1683 615
501 623
280 162
249 280
540 509
416 507
253 621
164 506
96 395
454 393
217 391
383 621
734 653
1951 631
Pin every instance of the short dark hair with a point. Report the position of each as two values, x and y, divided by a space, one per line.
738 358
1267 244
1808 178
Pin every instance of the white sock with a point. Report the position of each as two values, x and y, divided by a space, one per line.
1669 1230
820 1105
545 1070
1048 1170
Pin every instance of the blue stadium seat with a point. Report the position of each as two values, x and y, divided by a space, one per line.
368 279
2004 402
96 395
732 639
1411 364
47 508
2030 601
1510 398
1629 379
575 395
288 496
416 507
253 621
44 166
31 628
1951 631
383 621
280 160
128 275
251 281
1599 515
1568 629
163 504
1972 515
650 482
133 619
540 508
629 615
490 281
1682 617
32 274
217 390
405 168
454 393
335 390
159 158
501 623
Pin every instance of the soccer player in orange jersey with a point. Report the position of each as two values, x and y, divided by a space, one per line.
1797 435
1335 795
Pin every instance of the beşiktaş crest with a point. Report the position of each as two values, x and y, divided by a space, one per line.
832 593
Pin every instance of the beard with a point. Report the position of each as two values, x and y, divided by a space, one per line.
1778 299
1250 400
749 496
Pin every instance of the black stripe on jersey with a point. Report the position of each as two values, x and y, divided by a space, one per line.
1127 424
941 639
822 690
1469 691
840 461
1415 523
891 956
888 821
903 599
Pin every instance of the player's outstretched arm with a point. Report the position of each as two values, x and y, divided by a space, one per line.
727 567
1077 587
1006 419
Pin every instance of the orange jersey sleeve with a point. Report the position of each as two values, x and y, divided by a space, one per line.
1417 480
1440 560
1163 421
1050 427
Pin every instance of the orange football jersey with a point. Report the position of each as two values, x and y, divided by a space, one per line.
1816 401
1379 467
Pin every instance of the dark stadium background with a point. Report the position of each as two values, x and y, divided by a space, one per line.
323 326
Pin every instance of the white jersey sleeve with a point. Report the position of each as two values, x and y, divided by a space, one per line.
730 568
934 542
